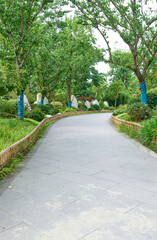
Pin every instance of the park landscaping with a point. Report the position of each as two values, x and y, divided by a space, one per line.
144 116
49 62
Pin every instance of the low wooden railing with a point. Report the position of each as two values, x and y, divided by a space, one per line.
10 152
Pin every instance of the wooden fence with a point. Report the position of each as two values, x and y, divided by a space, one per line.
10 152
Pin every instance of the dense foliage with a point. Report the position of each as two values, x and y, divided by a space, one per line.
138 111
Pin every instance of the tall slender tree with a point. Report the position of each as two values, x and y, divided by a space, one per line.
75 53
19 22
134 21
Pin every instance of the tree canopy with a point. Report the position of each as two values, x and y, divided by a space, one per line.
134 21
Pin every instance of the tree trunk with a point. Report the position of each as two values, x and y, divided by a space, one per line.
69 95
21 106
143 92
42 100
115 102
142 87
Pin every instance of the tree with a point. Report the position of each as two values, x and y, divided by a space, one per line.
19 22
134 21
114 90
45 74
75 54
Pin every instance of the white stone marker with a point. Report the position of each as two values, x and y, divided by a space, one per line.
87 103
95 102
106 104
45 101
25 99
38 99
74 101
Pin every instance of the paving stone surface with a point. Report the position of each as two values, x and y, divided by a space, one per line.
83 180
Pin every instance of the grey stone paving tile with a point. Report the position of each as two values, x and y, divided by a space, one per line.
130 229
46 169
9 195
71 229
40 216
133 193
96 199
142 184
21 232
7 221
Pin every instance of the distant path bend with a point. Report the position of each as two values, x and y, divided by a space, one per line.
82 181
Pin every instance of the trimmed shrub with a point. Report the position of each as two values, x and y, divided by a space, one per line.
54 111
138 111
101 104
119 111
96 107
152 100
35 114
57 104
45 108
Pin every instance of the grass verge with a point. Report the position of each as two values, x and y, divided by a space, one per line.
10 167
12 130
142 135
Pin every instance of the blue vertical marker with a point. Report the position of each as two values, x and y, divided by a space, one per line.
69 104
42 101
21 106
143 92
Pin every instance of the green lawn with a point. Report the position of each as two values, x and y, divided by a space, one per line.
12 130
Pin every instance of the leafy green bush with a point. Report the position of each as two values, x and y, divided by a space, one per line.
45 108
10 106
70 110
154 113
95 107
138 111
152 100
57 104
101 104
149 131
119 111
134 100
54 111
35 114
80 105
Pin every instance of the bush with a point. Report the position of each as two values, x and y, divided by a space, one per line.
54 111
152 100
96 107
80 105
101 104
119 111
134 100
138 111
45 108
10 106
149 131
35 114
57 104
70 110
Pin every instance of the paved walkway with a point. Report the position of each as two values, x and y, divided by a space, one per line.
82 181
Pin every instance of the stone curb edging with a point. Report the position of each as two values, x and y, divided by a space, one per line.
118 122
135 126
10 152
